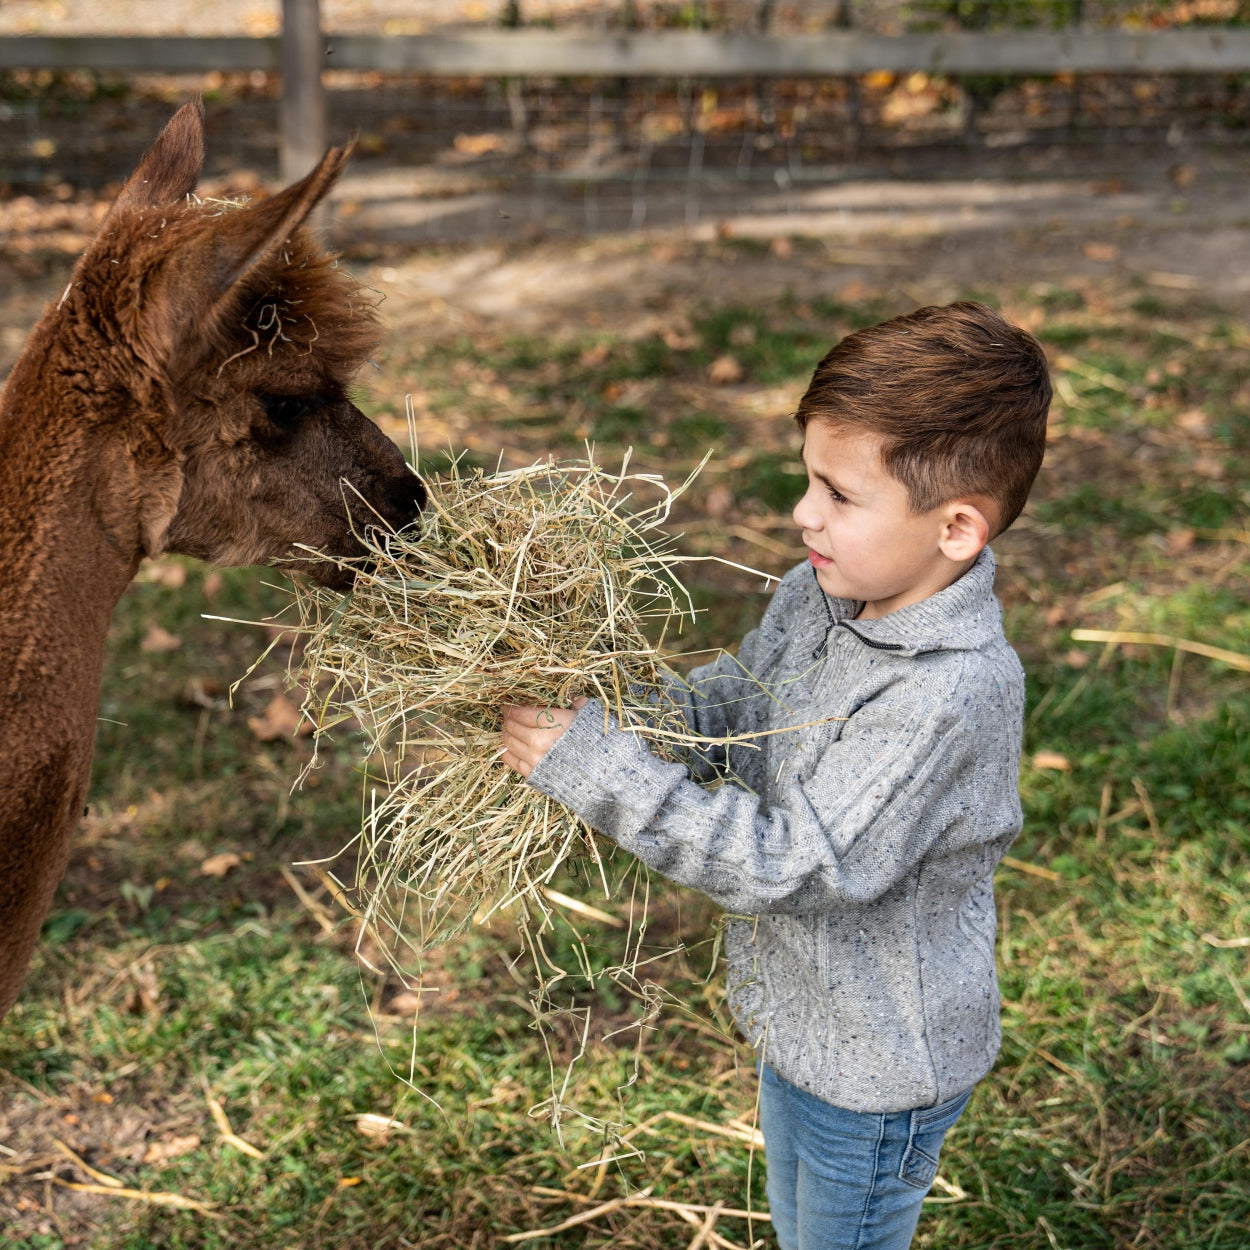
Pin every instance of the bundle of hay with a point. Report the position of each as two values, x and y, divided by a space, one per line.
530 586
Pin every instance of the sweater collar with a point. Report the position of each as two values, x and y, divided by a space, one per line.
962 617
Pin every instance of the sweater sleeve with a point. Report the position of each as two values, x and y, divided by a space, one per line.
710 697
851 829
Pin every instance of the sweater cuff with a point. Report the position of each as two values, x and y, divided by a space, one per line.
606 775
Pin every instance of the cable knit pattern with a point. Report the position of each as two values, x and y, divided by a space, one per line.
854 853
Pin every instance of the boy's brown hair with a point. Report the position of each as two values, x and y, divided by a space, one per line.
958 395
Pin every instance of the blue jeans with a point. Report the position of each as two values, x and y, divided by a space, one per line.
847 1180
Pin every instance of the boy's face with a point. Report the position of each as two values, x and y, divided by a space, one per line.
863 539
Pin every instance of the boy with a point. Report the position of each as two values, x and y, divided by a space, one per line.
856 858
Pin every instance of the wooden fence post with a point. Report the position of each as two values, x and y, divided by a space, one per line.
303 113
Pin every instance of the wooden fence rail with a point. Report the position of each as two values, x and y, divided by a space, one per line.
1210 50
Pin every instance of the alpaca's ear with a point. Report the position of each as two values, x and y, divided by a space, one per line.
243 239
171 167
217 266
196 288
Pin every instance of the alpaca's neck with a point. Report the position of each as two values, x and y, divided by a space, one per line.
67 552
69 545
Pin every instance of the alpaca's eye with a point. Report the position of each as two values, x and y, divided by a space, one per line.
287 411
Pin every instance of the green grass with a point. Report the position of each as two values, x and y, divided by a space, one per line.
775 480
699 431
276 1023
1090 506
1116 1114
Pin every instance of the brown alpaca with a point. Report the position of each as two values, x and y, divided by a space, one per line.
189 394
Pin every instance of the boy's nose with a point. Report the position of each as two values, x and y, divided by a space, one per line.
804 516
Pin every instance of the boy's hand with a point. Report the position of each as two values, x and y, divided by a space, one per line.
530 732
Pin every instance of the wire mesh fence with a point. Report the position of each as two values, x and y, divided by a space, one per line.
603 153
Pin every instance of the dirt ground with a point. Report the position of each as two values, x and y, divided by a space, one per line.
454 246
453 251
926 239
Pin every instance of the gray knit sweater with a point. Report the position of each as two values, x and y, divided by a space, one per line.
854 856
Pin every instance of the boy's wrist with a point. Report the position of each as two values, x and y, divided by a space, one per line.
606 775
529 733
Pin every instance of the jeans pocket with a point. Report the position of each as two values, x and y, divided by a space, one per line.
929 1126
918 1167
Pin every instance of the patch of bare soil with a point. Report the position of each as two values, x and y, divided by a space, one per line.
449 261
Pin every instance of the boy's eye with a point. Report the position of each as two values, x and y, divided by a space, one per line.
836 495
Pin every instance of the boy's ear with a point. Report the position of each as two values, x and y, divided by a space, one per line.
965 529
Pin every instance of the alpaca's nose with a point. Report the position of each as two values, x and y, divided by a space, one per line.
404 498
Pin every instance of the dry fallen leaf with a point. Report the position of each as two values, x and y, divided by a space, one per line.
725 371
406 1003
1031 318
482 145
380 1126
145 991
720 499
1101 251
1179 541
219 865
171 1148
855 290
1182 176
159 639
1052 760
167 573
1194 421
129 1137
680 339
281 719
